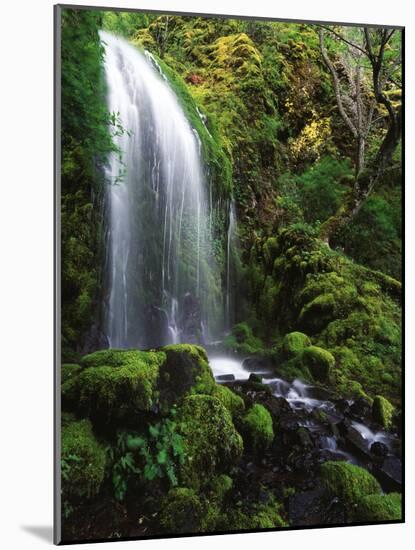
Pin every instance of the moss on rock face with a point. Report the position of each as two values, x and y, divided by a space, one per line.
257 428
234 403
348 482
241 340
379 508
210 440
82 461
260 517
117 383
185 371
319 362
294 343
181 512
382 411
69 371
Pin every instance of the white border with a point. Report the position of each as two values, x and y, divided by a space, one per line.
26 298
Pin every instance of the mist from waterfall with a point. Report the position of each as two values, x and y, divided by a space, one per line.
162 284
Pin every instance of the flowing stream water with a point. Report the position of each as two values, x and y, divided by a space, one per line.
305 400
160 265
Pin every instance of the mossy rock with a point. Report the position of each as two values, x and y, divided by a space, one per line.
382 411
294 343
242 340
260 517
379 508
69 371
181 512
256 426
83 461
348 482
69 384
185 371
219 487
210 441
234 403
117 384
319 362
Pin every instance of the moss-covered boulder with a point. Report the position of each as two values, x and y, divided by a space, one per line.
69 374
233 402
379 508
294 343
83 461
257 430
181 512
382 411
116 384
262 516
242 340
319 362
348 482
185 371
210 441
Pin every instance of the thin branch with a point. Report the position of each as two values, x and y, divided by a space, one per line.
341 37
336 84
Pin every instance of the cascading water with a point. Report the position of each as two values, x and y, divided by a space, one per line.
230 238
160 266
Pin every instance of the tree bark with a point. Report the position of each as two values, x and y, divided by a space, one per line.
364 183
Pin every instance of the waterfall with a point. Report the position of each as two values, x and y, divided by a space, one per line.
230 238
161 276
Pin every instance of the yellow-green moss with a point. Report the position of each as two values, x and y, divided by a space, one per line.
181 512
382 411
118 383
210 441
294 343
319 362
257 428
234 403
348 482
379 508
82 461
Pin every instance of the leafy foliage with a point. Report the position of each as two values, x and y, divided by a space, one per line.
155 454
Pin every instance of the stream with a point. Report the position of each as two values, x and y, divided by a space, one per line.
337 429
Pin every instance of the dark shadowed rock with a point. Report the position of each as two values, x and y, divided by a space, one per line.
379 449
390 474
95 340
225 377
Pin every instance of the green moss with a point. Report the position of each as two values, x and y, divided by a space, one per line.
382 411
242 340
348 482
294 343
234 403
211 443
219 487
69 371
116 384
257 428
185 371
319 362
181 512
82 461
379 508
265 516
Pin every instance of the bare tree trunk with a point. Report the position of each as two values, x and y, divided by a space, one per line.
364 183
